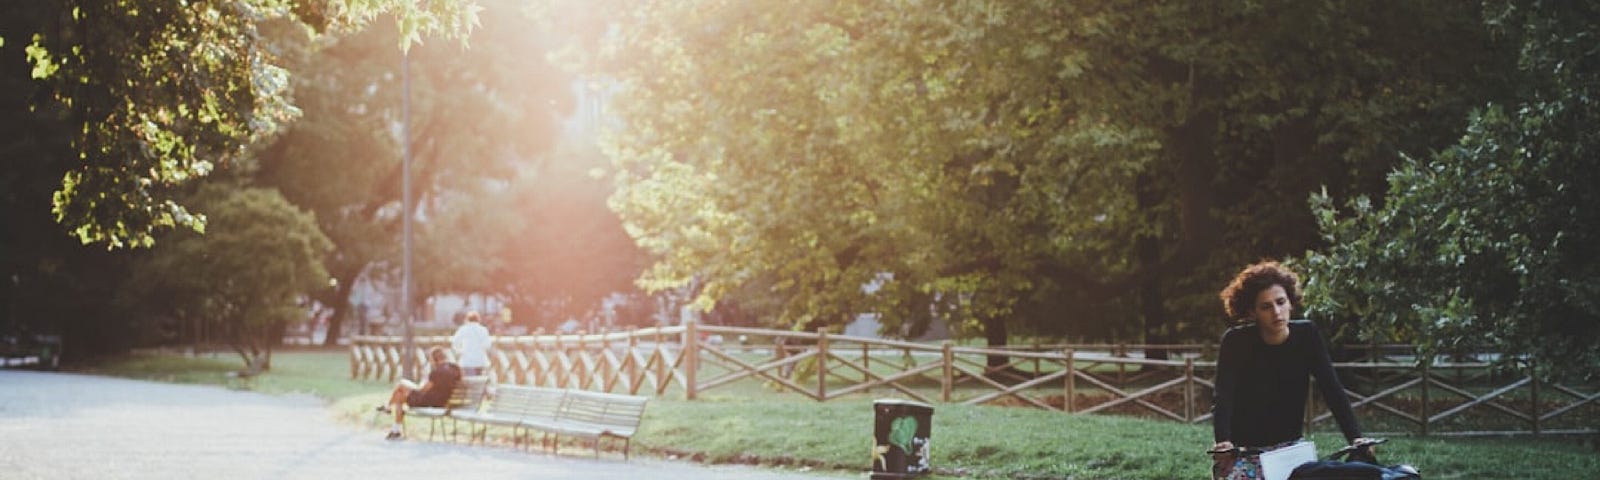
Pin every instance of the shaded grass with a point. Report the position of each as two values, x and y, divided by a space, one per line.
750 423
324 373
967 441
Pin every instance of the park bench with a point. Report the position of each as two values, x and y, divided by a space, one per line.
465 398
595 416
510 405
561 412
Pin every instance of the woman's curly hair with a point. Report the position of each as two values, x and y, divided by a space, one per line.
1238 297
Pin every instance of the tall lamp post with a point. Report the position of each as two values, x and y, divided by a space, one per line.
408 345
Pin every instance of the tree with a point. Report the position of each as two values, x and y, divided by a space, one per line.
1489 242
479 116
49 283
247 278
155 94
104 65
566 250
985 159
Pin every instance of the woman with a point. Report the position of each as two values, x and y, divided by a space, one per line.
1263 370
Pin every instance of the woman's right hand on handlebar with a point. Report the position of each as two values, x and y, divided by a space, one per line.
1223 450
1223 454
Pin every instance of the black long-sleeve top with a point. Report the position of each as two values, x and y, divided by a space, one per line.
1261 389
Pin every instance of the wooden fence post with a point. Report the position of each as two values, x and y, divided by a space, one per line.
1188 389
949 373
390 362
608 373
1533 379
1072 386
1036 364
660 354
822 365
1373 383
1122 367
866 356
691 359
1425 362
560 375
866 364
530 372
633 366
587 379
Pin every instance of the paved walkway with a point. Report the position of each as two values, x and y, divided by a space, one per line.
79 426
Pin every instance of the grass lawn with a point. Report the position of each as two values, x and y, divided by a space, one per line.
321 372
754 425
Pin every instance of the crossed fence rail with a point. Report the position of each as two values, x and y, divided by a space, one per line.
1409 396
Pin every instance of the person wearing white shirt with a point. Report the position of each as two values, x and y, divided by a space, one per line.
471 343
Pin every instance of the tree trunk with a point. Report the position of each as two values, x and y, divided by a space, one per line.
1147 252
994 330
197 340
1152 305
255 360
1192 147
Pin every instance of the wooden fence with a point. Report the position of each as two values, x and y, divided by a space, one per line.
1394 393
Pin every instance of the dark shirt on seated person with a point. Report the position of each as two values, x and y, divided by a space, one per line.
1261 389
441 381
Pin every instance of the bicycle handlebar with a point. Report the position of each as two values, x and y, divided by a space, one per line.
1343 451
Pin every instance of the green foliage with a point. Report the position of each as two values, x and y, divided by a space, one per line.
246 279
483 121
820 158
1488 243
155 94
1038 162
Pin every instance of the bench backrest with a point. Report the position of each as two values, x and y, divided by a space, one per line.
608 409
519 401
469 392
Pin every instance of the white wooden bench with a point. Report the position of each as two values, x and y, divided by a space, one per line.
595 416
561 412
511 405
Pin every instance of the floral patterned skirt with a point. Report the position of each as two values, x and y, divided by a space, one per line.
1244 467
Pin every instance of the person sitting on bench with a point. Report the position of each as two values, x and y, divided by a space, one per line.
435 392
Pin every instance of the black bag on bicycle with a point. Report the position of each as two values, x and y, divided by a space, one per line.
1357 464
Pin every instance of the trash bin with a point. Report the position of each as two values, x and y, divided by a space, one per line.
900 435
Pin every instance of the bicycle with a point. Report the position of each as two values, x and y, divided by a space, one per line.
1353 462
